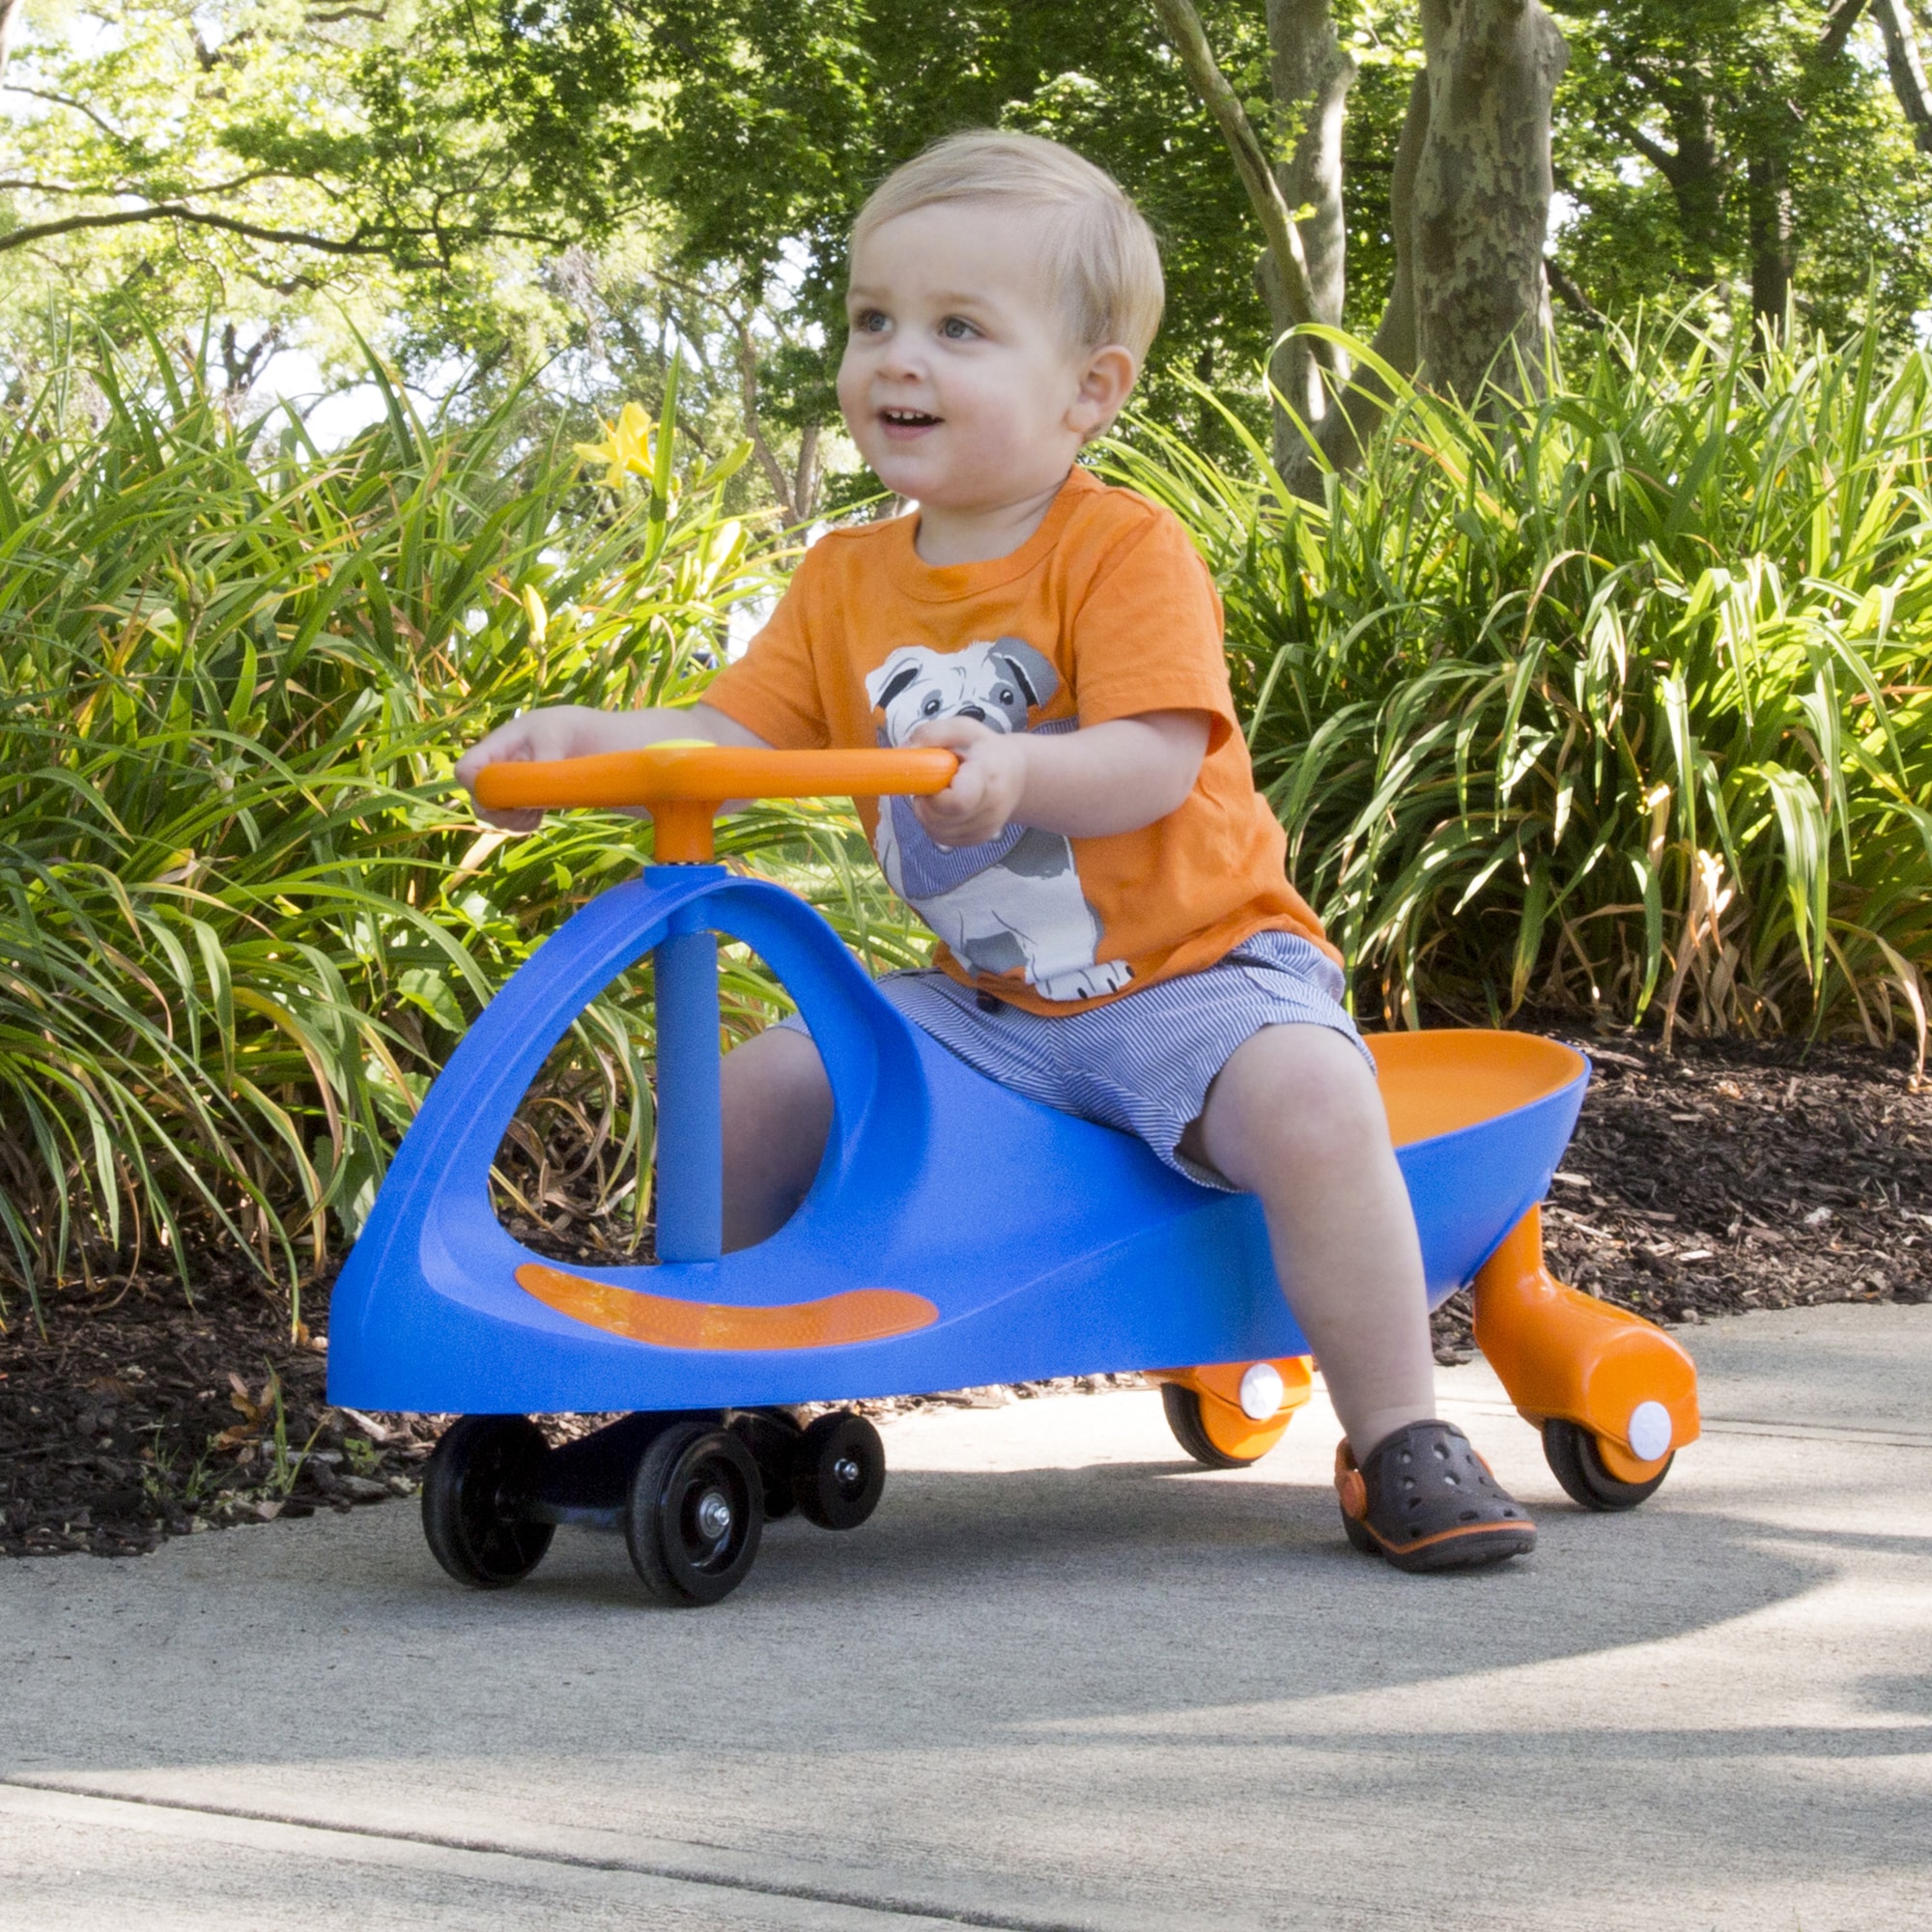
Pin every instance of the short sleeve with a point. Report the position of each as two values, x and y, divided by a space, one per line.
1147 633
774 690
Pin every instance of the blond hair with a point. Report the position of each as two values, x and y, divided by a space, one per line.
1101 252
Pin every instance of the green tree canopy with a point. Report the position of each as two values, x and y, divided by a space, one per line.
607 181
1741 145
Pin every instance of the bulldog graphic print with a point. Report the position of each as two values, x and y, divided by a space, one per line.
1013 904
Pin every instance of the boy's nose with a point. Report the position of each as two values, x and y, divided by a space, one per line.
901 360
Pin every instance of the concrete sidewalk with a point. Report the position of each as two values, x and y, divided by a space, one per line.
1059 1681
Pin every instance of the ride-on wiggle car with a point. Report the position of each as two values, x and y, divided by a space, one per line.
1098 1259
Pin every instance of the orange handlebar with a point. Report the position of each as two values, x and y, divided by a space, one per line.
709 774
684 785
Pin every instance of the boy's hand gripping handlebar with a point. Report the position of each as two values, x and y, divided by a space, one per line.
684 783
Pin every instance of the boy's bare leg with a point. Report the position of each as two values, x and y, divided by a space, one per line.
1296 1118
777 1110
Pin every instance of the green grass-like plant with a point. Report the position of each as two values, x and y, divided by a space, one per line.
1618 699
243 917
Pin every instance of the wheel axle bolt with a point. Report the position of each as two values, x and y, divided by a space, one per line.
845 1473
1261 1392
1649 1431
714 1516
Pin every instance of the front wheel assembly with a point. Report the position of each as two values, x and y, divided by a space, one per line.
694 1513
475 1497
839 1471
689 1491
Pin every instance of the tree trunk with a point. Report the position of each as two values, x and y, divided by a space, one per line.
9 21
1469 202
1768 185
1344 432
1907 71
1698 170
1311 75
797 495
1480 200
1699 179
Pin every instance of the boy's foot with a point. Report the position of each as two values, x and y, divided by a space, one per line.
1426 1500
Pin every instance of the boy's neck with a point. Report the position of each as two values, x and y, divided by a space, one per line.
945 537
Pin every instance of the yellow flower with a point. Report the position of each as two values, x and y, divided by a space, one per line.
626 448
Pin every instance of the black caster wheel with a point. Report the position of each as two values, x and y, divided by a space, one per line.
839 1473
695 1513
483 1473
1571 1451
772 1438
1184 1417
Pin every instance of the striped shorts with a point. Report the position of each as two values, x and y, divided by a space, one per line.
1141 1062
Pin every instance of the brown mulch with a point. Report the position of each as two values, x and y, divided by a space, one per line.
1737 1175
138 1415
1730 1176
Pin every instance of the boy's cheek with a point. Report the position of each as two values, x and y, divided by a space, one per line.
850 389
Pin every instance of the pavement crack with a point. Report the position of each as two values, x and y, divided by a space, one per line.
885 1903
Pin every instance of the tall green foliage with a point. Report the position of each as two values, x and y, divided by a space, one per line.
242 919
1620 700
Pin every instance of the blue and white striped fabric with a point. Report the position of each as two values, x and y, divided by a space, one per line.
1143 1063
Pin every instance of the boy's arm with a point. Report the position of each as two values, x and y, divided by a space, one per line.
1090 784
576 731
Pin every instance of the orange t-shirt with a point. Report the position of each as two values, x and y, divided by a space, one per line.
1105 612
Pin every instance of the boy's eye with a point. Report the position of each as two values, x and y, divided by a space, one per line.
868 321
955 328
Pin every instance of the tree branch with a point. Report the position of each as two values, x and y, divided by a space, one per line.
112 132
42 231
1654 153
77 190
1189 39
1590 315
365 243
1843 18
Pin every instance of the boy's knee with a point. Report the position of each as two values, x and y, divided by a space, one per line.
1299 1092
777 1108
776 1075
1333 1094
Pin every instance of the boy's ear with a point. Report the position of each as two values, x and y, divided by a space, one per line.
1105 384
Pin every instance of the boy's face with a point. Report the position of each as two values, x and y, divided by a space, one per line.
961 383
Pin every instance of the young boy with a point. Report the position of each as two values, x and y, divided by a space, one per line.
1118 935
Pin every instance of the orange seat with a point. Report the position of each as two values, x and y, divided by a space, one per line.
1440 1082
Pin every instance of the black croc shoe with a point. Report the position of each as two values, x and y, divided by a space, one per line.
1426 1500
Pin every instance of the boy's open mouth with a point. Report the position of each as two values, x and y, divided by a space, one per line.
907 419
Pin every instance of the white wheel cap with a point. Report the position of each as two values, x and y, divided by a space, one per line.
1649 1431
1261 1392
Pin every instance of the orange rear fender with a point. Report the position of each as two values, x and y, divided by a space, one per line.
1564 1354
